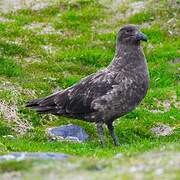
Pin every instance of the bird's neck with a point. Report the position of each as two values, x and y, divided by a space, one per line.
127 48
128 55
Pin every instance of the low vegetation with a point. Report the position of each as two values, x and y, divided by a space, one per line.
45 50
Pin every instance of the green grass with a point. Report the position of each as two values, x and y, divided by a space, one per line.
79 51
10 166
141 17
4 129
9 67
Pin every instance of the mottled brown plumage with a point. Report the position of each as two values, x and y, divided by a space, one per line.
108 94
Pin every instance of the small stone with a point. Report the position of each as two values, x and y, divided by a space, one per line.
68 132
162 130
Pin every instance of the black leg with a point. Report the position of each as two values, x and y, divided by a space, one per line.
100 131
113 135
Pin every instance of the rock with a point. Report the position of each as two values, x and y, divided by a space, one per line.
162 130
68 132
31 155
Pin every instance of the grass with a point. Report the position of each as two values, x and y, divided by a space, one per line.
9 67
141 17
14 166
82 49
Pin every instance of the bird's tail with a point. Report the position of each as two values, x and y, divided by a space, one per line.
43 105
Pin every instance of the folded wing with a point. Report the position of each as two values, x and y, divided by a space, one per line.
78 98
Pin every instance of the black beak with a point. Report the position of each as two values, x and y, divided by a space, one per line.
141 37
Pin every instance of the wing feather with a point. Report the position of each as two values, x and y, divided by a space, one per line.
78 98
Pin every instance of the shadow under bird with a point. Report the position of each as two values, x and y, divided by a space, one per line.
108 94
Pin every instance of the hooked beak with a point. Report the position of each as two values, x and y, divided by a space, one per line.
141 37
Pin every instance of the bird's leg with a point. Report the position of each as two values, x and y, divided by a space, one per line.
100 131
112 133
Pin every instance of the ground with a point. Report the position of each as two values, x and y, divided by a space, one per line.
45 47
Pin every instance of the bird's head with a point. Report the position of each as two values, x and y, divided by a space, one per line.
130 35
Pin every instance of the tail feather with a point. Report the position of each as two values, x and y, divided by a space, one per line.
46 110
43 105
34 102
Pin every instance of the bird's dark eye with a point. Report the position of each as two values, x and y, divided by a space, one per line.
128 30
